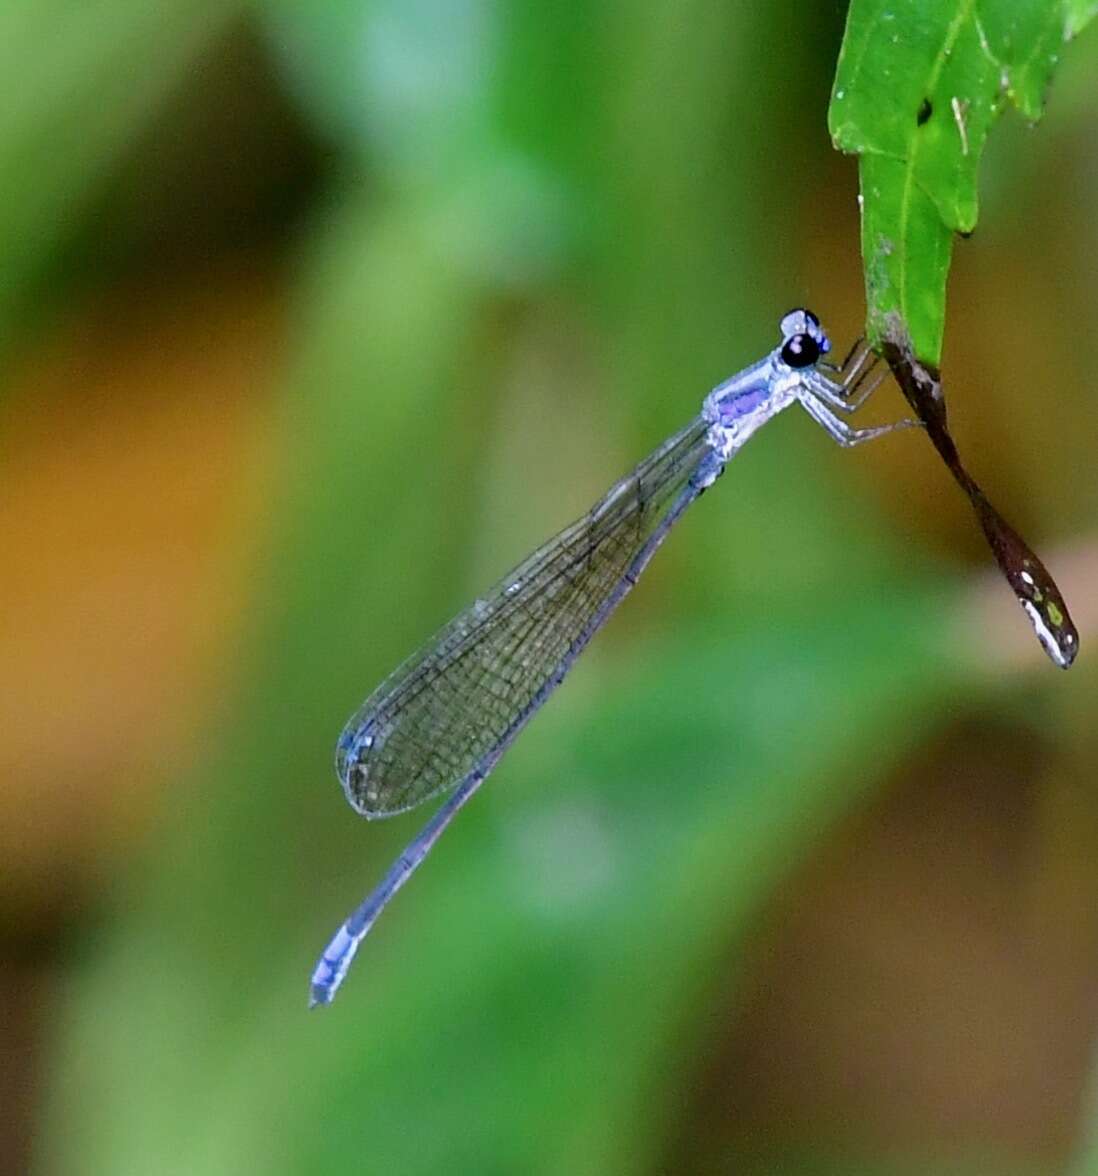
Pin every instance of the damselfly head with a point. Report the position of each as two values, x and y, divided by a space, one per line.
803 339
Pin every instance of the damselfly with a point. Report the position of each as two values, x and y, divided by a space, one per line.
446 716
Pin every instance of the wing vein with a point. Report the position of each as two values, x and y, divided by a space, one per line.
428 724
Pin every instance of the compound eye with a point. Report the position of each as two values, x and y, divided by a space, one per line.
800 351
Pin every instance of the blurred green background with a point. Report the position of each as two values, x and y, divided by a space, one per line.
314 319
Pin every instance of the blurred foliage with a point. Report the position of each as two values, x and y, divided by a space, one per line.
525 265
917 90
89 74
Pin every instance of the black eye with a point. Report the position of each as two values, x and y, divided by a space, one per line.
800 351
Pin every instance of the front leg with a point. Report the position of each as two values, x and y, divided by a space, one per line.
845 434
838 396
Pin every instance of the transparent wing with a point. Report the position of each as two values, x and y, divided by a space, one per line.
469 689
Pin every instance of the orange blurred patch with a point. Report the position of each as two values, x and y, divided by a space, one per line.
138 452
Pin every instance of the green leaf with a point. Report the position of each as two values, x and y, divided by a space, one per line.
1079 13
917 89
